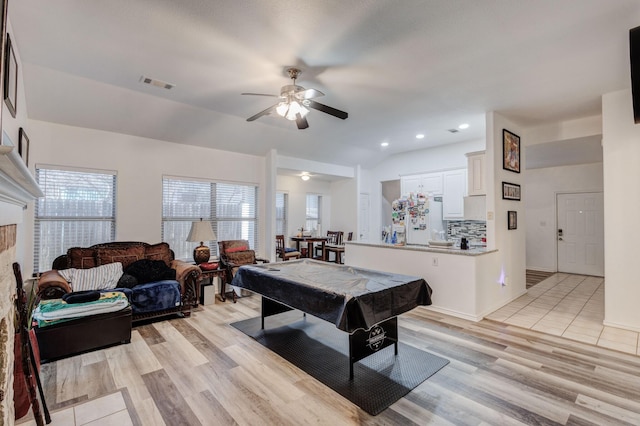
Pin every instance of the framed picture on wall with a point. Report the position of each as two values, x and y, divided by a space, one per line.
512 219
510 191
23 146
510 151
10 78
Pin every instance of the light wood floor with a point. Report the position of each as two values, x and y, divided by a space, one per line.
534 277
201 371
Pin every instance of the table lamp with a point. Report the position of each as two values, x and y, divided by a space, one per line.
201 231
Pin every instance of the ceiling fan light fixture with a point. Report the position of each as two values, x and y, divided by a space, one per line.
290 110
282 109
294 109
296 102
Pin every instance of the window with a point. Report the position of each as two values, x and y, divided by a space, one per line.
282 208
77 210
231 208
314 212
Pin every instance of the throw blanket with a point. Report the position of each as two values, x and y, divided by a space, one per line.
49 311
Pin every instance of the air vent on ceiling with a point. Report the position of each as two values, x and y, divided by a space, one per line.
454 130
157 83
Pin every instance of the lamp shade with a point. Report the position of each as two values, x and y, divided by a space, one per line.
201 231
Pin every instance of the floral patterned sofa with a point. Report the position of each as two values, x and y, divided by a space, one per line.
149 299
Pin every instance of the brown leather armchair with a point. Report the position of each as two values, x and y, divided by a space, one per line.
234 254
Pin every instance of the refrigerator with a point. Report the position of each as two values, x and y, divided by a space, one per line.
417 218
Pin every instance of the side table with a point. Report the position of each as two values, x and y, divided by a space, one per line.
222 274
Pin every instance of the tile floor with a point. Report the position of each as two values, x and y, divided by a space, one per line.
110 410
570 306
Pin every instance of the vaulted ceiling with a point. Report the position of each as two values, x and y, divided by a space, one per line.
398 68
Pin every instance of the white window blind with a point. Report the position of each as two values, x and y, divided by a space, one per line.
77 210
314 212
231 209
282 210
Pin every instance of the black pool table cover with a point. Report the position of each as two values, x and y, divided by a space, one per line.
351 298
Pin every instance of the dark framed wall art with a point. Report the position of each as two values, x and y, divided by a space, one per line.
10 78
510 151
512 219
510 191
23 146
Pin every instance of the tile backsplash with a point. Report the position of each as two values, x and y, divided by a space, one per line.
472 230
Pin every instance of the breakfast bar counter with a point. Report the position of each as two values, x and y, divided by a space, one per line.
477 251
466 283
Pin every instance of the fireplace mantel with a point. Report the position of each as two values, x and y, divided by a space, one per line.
17 184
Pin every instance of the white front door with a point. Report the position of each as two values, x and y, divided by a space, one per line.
580 233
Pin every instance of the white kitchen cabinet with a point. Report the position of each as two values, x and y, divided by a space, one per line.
410 184
432 183
454 189
475 207
475 173
428 183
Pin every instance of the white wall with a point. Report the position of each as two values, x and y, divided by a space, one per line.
140 164
621 151
344 200
540 203
564 130
11 126
510 243
298 190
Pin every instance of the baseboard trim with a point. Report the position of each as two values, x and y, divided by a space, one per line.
456 314
622 326
534 268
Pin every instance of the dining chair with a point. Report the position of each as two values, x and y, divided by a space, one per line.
337 249
333 237
285 253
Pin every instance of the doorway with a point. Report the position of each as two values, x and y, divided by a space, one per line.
580 233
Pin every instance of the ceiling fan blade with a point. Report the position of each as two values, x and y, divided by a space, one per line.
309 94
260 94
263 112
327 109
301 122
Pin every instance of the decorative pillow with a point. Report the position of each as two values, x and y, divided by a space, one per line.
81 258
98 278
160 251
126 256
236 249
245 257
148 271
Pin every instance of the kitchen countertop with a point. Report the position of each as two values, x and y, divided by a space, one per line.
448 250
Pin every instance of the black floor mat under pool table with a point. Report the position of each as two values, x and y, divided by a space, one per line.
321 350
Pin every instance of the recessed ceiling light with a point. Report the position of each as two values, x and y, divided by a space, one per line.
419 136
384 144
463 126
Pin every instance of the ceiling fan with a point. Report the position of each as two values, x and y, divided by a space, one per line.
295 102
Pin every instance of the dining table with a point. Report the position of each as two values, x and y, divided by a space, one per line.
310 240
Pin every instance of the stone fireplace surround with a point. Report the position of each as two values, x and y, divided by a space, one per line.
7 295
